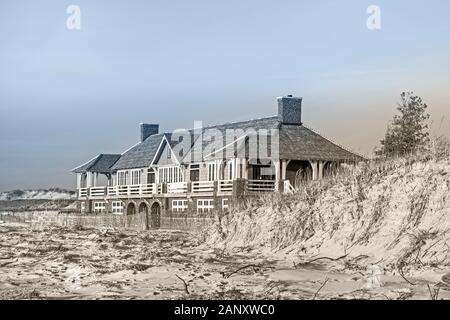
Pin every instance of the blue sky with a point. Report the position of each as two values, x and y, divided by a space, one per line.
67 95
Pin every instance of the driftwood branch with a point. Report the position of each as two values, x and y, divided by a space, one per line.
323 285
320 258
186 286
400 271
226 276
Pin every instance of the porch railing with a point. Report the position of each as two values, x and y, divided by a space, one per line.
132 190
202 186
197 187
261 185
177 187
287 187
149 189
97 191
225 186
82 192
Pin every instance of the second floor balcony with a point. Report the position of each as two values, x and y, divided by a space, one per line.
210 188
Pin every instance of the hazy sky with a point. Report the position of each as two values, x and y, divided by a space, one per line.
67 95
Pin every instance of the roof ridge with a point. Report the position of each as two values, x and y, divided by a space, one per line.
332 141
225 124
94 158
241 121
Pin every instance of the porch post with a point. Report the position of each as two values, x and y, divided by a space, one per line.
321 163
314 169
283 169
233 167
88 179
79 180
244 169
276 164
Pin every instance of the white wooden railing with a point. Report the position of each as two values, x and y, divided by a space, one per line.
197 187
177 187
225 186
82 192
97 191
112 191
202 186
132 190
287 187
261 185
149 189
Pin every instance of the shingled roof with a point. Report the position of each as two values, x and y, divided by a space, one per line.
254 124
101 164
141 155
298 142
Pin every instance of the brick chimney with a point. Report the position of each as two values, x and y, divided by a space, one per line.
290 110
148 130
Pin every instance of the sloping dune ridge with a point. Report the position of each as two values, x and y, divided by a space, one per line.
394 212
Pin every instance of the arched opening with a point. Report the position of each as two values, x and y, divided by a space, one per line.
131 209
155 215
298 172
143 212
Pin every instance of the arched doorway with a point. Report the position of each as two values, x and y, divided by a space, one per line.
298 171
143 212
131 209
155 215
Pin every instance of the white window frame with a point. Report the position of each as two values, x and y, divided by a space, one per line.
168 174
99 206
212 170
122 178
179 205
135 177
117 207
205 205
225 204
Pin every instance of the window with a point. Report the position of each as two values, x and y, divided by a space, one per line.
117 207
179 205
135 177
150 177
123 175
194 174
170 174
212 171
225 205
205 205
169 153
99 207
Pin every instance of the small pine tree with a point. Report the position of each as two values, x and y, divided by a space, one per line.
408 132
